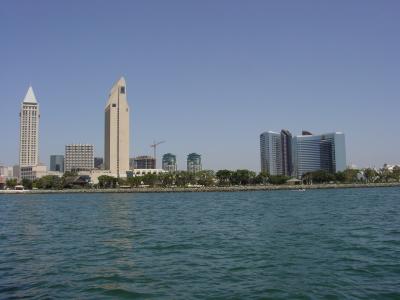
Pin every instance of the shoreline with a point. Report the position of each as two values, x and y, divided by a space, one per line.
204 189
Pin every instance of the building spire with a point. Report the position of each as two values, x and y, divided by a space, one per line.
30 96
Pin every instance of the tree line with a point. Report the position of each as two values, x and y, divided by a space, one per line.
368 175
47 182
209 178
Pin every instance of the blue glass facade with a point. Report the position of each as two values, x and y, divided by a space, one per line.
57 163
319 152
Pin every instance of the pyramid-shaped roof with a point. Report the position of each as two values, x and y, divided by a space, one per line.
30 96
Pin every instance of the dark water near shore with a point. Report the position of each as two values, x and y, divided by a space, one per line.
331 244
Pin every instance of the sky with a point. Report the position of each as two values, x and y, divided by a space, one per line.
205 76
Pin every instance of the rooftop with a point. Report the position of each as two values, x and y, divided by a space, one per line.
30 96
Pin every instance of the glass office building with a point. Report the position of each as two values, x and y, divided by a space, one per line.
319 152
271 153
169 162
57 163
194 163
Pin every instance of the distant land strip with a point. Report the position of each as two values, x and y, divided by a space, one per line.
206 189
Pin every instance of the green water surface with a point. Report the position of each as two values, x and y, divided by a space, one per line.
320 244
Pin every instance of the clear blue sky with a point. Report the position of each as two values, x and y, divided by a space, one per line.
206 76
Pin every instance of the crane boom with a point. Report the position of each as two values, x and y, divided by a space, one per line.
154 146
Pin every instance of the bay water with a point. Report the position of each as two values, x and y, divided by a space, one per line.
318 244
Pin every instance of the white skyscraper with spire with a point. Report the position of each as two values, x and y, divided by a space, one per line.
29 130
116 135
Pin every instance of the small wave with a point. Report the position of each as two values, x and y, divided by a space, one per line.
119 293
113 278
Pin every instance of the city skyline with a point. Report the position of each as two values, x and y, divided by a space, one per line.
206 88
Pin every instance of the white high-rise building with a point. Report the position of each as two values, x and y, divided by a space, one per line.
29 130
116 135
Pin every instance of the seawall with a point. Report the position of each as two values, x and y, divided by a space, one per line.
205 189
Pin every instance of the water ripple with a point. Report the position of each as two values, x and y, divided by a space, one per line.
327 244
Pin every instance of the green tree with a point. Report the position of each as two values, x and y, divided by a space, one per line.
134 181
150 179
28 184
322 176
49 182
68 178
205 177
106 181
243 177
167 179
184 178
122 181
37 184
224 177
278 179
396 173
351 175
384 175
11 183
340 177
370 175
262 178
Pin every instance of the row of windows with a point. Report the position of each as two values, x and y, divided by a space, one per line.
85 160
30 112
77 154
77 149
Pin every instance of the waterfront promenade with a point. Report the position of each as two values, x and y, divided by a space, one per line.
205 189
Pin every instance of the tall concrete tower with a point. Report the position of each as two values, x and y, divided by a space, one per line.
116 135
29 130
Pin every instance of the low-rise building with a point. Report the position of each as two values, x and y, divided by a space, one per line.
95 174
54 173
142 172
144 162
78 157
6 171
16 171
33 172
